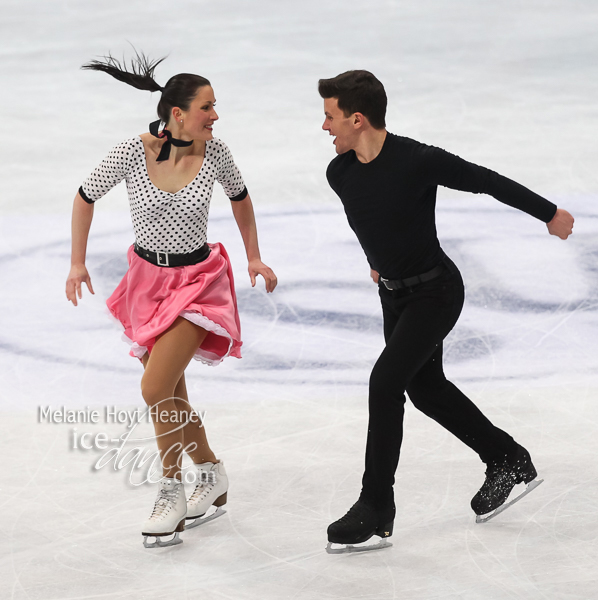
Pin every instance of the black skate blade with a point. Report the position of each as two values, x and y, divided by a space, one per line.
205 518
531 486
352 548
162 544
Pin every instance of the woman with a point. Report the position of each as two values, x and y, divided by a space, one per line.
177 300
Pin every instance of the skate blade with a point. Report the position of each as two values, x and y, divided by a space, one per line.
197 521
334 548
531 486
162 544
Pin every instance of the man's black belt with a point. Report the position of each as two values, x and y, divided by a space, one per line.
399 284
164 259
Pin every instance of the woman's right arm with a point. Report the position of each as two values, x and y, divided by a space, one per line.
82 217
112 170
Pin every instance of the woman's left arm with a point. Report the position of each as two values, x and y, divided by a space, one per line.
243 212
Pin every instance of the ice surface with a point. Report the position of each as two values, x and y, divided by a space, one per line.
510 85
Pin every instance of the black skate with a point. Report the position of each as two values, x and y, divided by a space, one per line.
501 479
358 526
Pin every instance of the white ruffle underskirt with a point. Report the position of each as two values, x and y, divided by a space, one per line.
208 358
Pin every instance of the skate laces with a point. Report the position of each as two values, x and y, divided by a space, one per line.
164 502
207 481
197 492
201 491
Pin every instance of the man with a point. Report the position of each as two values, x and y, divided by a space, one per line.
388 185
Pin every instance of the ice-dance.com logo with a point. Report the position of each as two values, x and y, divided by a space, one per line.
131 453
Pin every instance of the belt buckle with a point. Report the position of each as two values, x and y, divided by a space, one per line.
385 282
162 262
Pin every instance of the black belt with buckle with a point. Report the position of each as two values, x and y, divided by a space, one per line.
164 259
399 284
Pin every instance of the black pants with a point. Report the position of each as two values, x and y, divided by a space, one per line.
416 321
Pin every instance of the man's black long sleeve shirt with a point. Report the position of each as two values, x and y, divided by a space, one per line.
390 202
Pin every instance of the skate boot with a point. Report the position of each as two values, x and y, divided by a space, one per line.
168 516
210 491
359 525
501 478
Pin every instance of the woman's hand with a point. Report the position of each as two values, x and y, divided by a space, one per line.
76 277
374 275
257 267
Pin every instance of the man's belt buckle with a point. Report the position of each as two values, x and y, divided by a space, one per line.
387 285
162 259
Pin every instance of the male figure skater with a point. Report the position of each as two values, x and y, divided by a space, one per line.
387 185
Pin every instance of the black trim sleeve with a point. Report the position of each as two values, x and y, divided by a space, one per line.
240 196
84 196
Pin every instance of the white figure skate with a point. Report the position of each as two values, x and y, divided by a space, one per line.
209 496
168 516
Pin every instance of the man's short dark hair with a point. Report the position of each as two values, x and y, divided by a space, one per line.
357 91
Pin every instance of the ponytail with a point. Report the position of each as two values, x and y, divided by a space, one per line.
179 90
140 76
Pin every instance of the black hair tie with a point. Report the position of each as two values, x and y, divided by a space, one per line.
170 141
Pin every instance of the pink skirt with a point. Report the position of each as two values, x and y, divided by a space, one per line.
149 299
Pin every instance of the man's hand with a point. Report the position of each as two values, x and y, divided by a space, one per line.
561 224
374 275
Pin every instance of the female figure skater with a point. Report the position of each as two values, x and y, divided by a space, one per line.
177 300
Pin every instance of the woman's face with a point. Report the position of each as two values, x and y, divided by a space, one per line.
198 120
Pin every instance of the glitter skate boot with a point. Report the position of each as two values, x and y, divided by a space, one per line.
358 526
502 476
209 496
168 516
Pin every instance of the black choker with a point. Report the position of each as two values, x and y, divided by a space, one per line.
170 141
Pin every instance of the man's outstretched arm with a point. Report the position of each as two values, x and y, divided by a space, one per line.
446 169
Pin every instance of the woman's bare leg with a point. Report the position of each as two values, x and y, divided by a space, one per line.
164 370
194 433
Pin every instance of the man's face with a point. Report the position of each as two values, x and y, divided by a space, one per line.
341 127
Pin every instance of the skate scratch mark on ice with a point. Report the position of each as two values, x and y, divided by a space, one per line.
17 574
559 324
304 335
390 575
523 326
493 580
521 570
33 478
18 584
99 557
282 438
291 560
74 520
355 341
66 537
272 323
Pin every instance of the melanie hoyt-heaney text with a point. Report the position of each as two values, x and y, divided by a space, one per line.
112 414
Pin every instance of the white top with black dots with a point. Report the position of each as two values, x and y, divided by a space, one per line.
165 222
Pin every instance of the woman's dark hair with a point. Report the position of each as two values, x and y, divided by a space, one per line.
178 91
357 91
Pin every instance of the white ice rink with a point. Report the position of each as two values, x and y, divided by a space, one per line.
510 85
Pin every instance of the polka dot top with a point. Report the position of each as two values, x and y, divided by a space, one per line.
164 222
